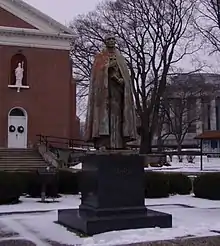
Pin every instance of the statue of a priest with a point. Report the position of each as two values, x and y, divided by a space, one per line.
111 118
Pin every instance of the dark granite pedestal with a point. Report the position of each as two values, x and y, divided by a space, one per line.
112 187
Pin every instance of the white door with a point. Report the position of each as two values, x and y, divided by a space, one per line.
17 132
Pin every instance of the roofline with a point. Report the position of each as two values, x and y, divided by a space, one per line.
205 135
201 73
33 32
43 16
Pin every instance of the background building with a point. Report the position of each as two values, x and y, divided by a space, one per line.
197 96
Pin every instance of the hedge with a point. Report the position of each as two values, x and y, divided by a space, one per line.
179 184
35 184
64 182
68 182
10 188
156 185
207 186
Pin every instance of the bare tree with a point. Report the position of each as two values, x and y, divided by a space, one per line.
87 42
154 36
207 22
162 132
181 105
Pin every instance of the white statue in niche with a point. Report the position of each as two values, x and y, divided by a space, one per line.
19 74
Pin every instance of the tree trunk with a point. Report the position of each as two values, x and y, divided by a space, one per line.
43 192
159 131
159 144
146 142
179 149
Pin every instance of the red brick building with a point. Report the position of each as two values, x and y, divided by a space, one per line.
37 93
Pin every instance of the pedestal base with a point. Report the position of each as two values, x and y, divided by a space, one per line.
112 188
91 224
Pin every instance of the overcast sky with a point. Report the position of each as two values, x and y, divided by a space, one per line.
63 10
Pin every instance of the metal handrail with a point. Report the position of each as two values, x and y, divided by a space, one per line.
51 141
54 141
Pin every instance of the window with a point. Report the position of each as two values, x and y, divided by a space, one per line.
191 114
208 118
16 112
217 117
214 144
192 128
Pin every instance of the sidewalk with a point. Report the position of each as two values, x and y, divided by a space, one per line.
202 241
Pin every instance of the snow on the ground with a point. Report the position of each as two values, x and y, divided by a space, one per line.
209 165
186 200
45 228
196 221
34 204
77 167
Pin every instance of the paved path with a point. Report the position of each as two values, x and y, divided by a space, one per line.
13 232
202 241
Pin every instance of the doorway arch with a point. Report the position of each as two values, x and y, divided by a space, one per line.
17 128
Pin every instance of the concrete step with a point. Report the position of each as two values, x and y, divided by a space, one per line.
24 166
22 163
14 165
17 169
19 149
19 155
22 159
18 152
2 150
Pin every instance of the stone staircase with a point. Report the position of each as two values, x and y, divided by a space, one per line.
20 160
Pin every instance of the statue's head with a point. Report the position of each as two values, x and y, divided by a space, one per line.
110 41
19 64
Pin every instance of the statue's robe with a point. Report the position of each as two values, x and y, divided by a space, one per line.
111 118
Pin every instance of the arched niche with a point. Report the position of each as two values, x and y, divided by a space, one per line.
15 60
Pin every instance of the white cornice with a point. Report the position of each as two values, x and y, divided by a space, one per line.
33 16
34 39
33 32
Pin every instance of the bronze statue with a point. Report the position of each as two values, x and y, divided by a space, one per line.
111 118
